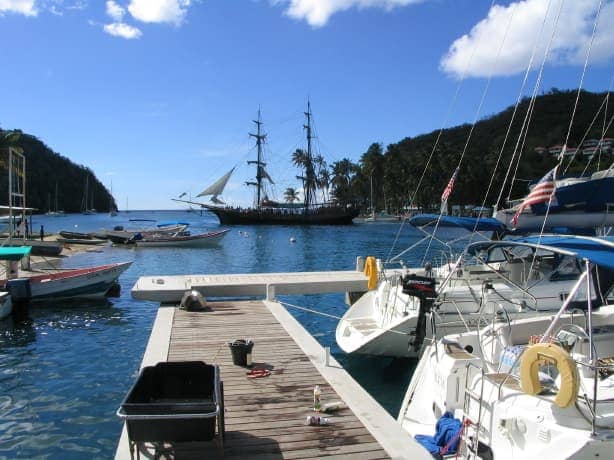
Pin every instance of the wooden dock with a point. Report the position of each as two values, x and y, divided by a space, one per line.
172 288
265 417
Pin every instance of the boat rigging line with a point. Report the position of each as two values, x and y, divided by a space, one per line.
437 139
475 120
562 154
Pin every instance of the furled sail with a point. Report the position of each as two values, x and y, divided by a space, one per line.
217 187
265 175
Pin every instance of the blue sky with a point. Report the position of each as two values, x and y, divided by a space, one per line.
157 96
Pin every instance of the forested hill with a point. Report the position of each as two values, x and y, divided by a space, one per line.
397 168
46 168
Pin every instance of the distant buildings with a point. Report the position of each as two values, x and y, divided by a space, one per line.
588 149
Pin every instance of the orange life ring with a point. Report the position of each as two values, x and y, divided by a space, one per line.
542 354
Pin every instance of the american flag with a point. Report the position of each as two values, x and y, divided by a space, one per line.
541 193
448 190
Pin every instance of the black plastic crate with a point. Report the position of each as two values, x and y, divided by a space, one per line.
172 401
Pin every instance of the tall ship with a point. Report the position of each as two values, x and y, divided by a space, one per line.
268 212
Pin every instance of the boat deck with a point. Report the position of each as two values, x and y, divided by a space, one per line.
265 417
172 288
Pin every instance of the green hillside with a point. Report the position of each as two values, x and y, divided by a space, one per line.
398 168
46 168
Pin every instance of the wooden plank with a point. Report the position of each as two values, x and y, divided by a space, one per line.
265 418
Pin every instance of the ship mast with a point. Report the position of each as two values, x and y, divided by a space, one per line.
260 137
309 172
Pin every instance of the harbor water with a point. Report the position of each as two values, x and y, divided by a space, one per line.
66 366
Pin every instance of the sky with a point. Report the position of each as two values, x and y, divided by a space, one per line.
157 97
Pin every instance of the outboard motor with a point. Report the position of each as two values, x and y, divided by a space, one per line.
423 288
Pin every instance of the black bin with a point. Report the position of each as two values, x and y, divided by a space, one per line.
172 390
19 289
240 349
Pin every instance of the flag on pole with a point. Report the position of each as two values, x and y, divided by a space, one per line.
542 192
447 192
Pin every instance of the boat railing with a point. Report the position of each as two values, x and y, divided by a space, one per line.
507 279
469 396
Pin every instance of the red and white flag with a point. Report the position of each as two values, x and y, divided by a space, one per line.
448 190
542 192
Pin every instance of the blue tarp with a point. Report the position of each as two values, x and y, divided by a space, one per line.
482 224
447 431
171 222
599 251
14 253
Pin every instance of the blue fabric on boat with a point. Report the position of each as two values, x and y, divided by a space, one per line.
446 429
482 224
14 253
599 251
171 222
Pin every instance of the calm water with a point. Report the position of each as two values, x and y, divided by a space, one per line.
65 368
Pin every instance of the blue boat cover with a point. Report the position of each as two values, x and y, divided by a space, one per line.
171 222
599 251
14 253
447 431
482 224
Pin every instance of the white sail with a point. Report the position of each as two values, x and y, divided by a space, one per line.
218 186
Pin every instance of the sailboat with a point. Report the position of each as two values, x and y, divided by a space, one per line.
84 204
578 203
112 209
269 212
56 212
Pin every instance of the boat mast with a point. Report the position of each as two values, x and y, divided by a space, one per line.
260 137
309 173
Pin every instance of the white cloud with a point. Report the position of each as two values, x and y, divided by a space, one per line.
318 12
115 11
120 29
569 45
25 7
159 11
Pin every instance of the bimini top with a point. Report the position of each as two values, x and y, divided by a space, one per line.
14 253
599 251
481 224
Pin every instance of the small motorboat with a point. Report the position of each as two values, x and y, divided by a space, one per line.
75 235
182 240
31 285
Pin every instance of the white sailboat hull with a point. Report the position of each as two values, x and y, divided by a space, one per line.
513 424
384 321
578 220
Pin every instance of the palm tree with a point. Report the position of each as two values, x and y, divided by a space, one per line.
291 195
343 174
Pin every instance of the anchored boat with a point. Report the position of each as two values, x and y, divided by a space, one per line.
269 212
507 279
538 387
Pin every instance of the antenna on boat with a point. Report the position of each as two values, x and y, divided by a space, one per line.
260 137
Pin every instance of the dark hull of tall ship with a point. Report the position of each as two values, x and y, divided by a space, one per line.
318 216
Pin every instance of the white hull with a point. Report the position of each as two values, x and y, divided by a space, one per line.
91 282
197 241
512 424
530 221
383 321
